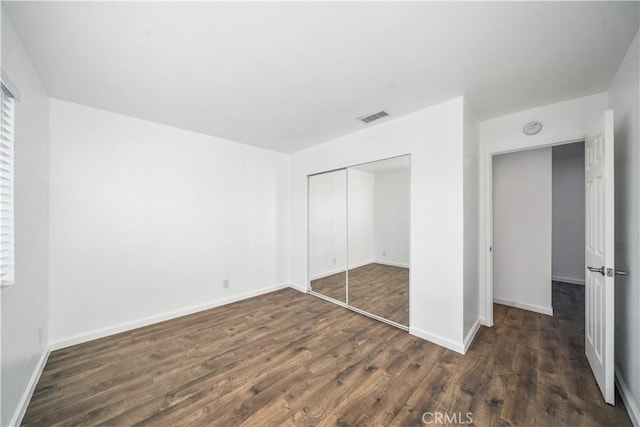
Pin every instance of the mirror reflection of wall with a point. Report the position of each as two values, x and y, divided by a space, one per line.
379 233
359 230
328 234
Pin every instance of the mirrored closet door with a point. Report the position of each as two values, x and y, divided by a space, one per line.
374 274
378 229
328 234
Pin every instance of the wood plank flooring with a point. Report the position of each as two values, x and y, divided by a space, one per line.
287 358
382 290
333 286
375 288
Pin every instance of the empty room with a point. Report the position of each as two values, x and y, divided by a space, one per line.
299 213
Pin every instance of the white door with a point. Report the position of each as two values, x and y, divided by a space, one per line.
599 242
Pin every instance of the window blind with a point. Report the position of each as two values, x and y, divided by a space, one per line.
7 266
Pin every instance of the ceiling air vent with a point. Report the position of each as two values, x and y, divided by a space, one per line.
371 117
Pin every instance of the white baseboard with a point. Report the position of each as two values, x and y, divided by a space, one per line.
471 335
341 270
123 327
18 415
298 288
359 264
458 347
627 398
326 274
537 308
485 322
570 280
391 263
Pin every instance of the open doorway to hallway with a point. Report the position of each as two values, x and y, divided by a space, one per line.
568 213
538 224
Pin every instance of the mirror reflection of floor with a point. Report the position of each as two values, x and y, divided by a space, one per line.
331 286
379 289
382 290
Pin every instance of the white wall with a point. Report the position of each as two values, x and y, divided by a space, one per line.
623 98
433 137
378 219
564 121
392 216
361 217
148 220
568 213
522 229
24 306
327 223
471 159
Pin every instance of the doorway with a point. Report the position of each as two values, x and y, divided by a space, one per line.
568 219
538 225
599 246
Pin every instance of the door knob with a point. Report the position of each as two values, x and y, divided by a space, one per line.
620 273
596 270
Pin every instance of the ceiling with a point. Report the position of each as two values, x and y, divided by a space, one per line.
288 75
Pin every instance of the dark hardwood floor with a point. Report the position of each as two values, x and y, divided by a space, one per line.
288 358
332 286
379 289
382 290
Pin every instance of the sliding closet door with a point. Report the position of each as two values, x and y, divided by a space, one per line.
378 229
328 234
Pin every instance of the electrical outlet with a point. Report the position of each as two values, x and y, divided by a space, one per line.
334 260
384 253
39 335
226 283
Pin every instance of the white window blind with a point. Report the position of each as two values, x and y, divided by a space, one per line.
7 266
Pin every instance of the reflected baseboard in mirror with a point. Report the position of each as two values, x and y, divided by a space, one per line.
382 290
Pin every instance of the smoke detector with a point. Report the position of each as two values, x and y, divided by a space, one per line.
532 128
371 117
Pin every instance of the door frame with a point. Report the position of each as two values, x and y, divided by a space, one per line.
486 240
